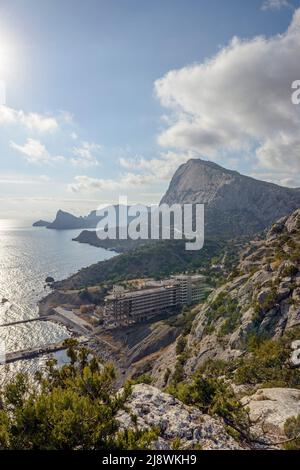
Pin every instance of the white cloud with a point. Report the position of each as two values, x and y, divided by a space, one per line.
129 180
85 155
276 4
35 152
143 173
159 168
32 121
23 179
238 100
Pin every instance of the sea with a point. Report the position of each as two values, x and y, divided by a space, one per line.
27 256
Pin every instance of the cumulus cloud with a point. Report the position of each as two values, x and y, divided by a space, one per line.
35 152
32 121
276 4
85 155
238 101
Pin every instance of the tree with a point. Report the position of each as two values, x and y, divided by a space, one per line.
73 407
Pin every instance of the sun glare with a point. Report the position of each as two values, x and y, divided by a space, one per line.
6 56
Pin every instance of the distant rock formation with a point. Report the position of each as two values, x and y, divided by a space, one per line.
234 204
66 221
41 223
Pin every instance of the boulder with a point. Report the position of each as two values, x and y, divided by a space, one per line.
153 408
271 407
293 222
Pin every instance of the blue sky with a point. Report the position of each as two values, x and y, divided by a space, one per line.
108 97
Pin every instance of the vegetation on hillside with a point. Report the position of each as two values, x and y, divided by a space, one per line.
73 407
157 260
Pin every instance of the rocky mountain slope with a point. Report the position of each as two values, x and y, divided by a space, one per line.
234 204
262 298
244 336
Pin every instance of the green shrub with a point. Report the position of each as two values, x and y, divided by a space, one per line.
181 345
215 397
268 363
292 431
72 407
223 307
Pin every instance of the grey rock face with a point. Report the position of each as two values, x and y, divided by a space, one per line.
266 293
271 407
234 204
154 408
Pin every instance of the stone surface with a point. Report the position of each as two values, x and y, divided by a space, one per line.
270 296
154 408
271 407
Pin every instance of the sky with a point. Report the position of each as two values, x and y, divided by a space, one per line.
102 98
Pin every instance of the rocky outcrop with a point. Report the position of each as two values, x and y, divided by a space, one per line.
66 221
263 296
155 409
270 408
234 204
41 223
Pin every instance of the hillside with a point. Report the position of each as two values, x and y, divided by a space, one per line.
234 204
261 299
158 259
243 336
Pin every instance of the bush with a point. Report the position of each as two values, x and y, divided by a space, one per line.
181 345
143 379
269 363
292 431
215 397
223 307
73 407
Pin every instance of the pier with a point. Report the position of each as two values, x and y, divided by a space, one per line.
39 351
19 322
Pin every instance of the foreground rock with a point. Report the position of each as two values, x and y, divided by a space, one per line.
271 407
175 420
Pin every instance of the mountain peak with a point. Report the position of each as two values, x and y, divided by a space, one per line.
235 204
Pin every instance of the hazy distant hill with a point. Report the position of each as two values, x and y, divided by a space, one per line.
41 223
66 221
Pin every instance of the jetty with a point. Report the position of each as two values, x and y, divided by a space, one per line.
19 322
39 351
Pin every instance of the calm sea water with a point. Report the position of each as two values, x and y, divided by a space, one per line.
27 256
